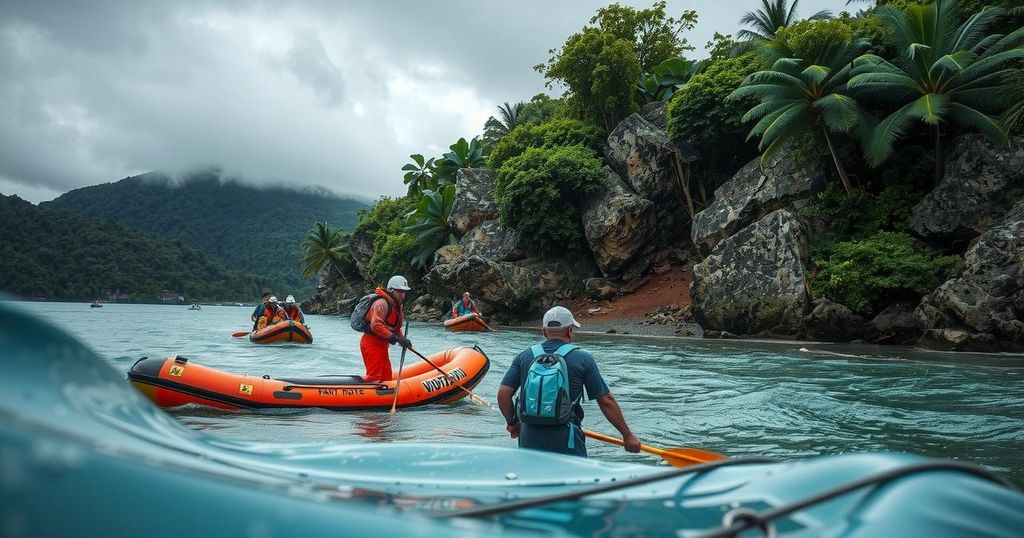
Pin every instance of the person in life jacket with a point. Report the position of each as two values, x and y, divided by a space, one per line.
292 310
571 370
272 313
467 306
259 309
384 327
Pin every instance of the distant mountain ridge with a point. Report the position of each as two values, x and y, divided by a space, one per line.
52 254
248 228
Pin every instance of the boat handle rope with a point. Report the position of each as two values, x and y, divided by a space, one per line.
520 504
740 519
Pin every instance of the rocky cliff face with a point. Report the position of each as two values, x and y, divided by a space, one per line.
983 302
618 225
755 280
474 199
981 181
641 153
756 190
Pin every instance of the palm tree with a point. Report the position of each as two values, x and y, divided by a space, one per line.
800 97
946 74
428 223
327 248
419 174
765 22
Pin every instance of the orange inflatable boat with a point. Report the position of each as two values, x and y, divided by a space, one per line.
468 322
177 381
282 332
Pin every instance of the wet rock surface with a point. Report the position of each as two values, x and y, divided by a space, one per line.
618 225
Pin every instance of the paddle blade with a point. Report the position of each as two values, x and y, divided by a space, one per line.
684 457
240 334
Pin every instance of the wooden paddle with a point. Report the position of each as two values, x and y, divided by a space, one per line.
398 380
240 334
484 323
676 457
472 397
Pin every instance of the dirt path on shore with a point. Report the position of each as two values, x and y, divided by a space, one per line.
627 313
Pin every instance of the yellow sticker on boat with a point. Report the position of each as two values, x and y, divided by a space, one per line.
177 370
245 389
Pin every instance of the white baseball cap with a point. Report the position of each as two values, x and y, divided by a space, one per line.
559 317
273 299
289 299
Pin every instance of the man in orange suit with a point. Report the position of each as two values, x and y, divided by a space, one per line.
384 320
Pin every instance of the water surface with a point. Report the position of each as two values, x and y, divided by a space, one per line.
731 397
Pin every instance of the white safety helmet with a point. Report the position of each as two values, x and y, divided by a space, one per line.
398 282
289 299
273 299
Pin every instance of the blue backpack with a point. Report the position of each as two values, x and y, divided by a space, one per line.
544 395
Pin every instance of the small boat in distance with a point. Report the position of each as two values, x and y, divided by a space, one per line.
195 306
96 304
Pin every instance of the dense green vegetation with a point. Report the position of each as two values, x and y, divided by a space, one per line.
60 255
877 92
253 229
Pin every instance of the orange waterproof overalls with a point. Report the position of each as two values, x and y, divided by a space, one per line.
385 320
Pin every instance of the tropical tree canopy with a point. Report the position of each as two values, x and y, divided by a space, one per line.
462 154
420 174
325 248
428 224
806 95
764 23
666 78
509 117
943 73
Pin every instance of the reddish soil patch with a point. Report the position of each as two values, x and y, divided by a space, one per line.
671 288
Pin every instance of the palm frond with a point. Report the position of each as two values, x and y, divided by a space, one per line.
878 147
987 125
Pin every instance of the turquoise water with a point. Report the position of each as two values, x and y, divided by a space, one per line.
736 398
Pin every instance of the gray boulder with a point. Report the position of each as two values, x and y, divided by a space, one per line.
895 324
754 192
973 193
474 199
641 153
493 241
755 280
360 245
618 224
656 112
986 292
523 286
831 322
958 340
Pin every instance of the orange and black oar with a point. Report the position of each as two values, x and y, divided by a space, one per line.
676 457
398 380
240 334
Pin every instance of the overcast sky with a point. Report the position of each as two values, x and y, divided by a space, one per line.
336 94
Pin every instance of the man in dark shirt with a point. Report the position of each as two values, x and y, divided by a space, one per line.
558 326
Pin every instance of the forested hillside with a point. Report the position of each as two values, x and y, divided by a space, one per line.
244 227
50 254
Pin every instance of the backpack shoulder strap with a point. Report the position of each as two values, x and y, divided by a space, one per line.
537 350
565 349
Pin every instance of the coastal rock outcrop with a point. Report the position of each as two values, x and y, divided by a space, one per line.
519 287
975 191
985 294
493 241
474 199
831 322
642 154
895 324
656 112
618 224
755 280
753 192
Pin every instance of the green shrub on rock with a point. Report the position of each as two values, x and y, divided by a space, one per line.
539 194
702 115
865 274
550 134
392 257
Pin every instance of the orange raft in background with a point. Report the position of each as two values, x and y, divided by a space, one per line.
282 332
176 381
469 322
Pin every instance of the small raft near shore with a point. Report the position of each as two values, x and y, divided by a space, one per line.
468 322
286 331
176 381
